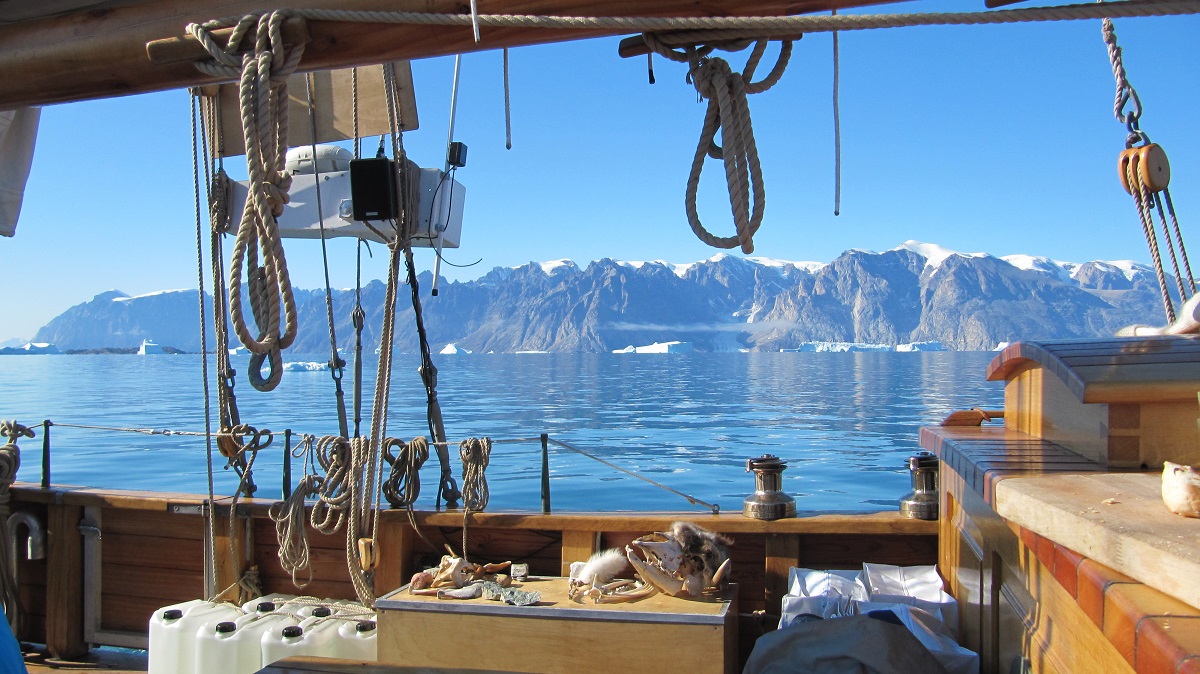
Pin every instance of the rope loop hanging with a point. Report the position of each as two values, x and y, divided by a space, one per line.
728 112
263 97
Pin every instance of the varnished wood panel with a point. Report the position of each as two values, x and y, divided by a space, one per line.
131 613
168 585
125 550
160 524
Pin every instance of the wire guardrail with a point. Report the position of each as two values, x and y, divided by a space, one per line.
288 434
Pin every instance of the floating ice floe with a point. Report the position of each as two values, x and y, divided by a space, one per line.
305 366
659 347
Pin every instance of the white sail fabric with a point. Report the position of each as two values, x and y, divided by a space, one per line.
18 132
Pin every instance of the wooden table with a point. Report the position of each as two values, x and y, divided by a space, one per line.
1117 519
557 634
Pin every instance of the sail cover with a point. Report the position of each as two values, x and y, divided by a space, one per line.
18 131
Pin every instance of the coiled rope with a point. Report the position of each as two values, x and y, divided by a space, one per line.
263 96
10 463
475 453
403 484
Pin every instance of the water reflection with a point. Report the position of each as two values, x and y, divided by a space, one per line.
844 422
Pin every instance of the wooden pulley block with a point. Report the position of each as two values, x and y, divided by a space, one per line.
1153 167
227 444
1149 166
366 553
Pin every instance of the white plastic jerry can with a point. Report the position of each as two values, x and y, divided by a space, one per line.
285 642
357 640
216 648
275 598
173 634
321 631
251 629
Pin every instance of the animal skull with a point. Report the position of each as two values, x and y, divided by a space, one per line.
687 561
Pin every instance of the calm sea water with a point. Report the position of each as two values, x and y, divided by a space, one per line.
844 422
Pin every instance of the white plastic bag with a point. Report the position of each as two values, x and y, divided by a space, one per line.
824 594
918 586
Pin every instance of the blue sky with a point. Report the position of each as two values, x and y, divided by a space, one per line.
997 139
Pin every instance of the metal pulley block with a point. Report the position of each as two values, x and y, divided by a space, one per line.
768 502
1148 165
922 502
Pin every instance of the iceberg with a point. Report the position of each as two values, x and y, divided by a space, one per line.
30 348
305 366
149 348
858 347
452 350
659 347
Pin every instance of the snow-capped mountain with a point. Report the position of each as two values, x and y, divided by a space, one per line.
915 292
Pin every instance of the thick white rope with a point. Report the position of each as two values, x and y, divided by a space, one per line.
262 90
728 112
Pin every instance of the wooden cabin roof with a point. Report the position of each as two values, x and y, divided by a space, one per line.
1124 370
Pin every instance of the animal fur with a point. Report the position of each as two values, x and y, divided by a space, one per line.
704 551
601 567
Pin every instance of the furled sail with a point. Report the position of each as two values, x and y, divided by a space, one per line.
18 132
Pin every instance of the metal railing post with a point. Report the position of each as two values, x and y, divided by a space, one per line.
287 463
46 453
545 473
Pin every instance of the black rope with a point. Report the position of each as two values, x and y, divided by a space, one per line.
447 488
358 318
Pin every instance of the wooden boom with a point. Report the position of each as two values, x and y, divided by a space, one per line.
100 50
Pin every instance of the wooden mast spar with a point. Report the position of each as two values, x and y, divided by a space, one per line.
66 50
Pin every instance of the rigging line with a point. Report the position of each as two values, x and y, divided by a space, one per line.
1179 235
1157 203
336 364
210 578
837 128
716 509
781 24
358 318
447 488
507 107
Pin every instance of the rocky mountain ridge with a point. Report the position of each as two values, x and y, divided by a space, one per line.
913 293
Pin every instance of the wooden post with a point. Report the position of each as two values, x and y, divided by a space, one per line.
782 553
395 549
230 559
64 583
577 546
